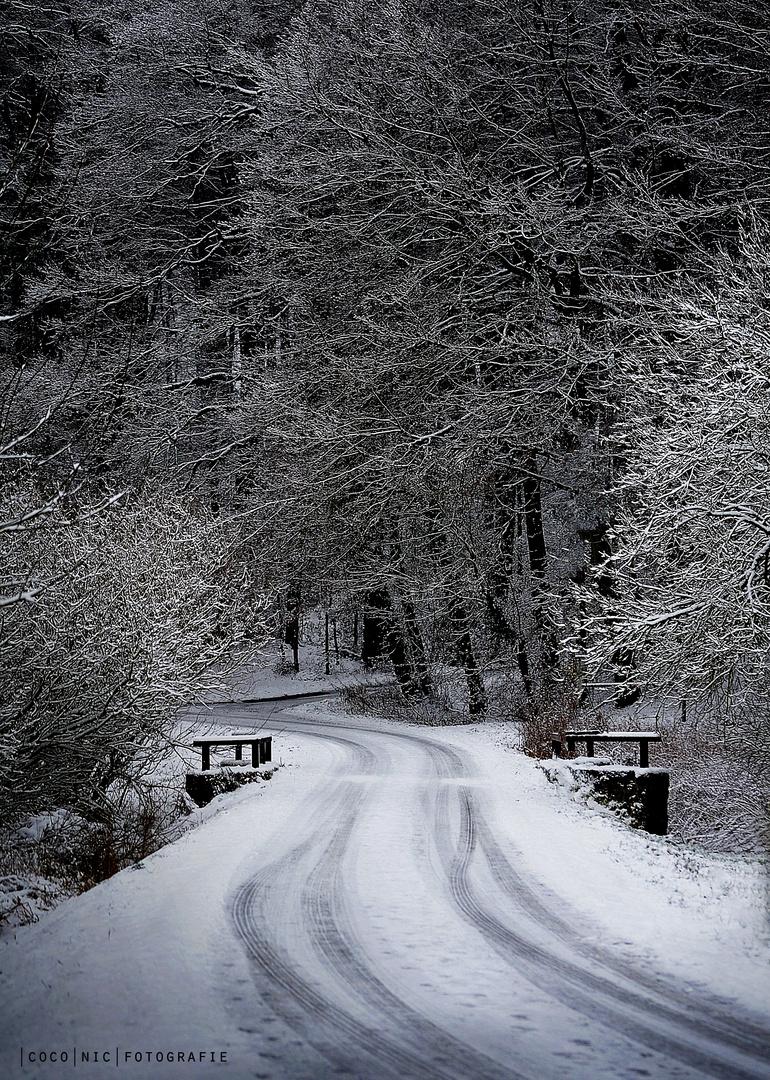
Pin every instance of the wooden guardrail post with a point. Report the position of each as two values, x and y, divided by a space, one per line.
261 749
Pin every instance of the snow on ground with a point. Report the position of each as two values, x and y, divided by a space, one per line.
147 962
275 677
702 917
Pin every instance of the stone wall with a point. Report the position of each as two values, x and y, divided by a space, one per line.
202 787
640 796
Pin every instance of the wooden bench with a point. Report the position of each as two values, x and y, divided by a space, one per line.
261 748
644 738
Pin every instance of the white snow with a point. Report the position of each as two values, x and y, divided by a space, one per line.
275 677
704 918
148 962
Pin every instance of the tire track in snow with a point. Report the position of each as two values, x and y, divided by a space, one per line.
423 1050
332 932
576 984
593 981
329 1028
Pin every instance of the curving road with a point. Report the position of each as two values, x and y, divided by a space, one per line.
394 933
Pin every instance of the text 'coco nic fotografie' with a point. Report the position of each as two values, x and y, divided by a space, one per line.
118 1057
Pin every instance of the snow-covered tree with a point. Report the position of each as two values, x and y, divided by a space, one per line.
691 564
121 611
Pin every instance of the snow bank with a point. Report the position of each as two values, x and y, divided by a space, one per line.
701 917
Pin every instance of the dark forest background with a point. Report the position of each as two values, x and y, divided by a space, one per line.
451 319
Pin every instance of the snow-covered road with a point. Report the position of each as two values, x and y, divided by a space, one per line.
384 912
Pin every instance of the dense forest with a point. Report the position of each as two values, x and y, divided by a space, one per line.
450 318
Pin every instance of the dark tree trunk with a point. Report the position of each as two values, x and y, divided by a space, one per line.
600 552
383 633
533 520
373 625
400 660
506 521
326 643
477 698
523 663
291 629
538 559
421 674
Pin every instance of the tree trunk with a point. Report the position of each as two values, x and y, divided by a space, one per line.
326 642
538 560
400 660
237 364
523 663
373 628
477 698
383 632
421 674
600 553
533 520
291 629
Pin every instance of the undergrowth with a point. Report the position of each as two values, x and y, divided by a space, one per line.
720 787
387 700
64 853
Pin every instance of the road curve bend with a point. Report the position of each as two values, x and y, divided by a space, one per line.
395 934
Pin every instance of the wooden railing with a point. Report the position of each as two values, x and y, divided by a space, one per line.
644 738
261 748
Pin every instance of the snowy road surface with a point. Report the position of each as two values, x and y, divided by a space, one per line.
393 908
